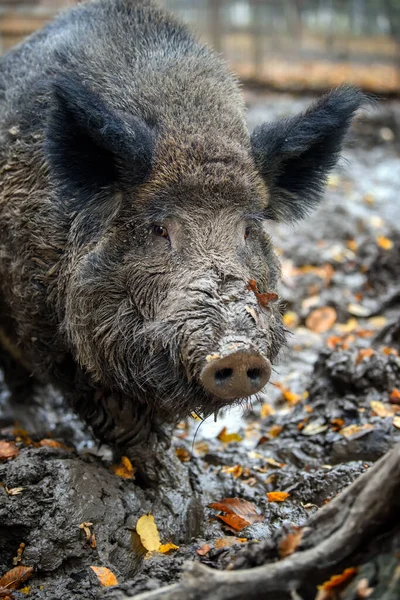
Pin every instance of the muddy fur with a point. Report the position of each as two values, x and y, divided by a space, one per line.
115 121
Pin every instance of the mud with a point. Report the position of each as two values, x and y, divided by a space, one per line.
310 434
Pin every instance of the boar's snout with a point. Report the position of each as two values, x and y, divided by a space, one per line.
237 373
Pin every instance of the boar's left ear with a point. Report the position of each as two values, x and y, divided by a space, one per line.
294 156
89 146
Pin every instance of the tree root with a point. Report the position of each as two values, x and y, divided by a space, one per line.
334 535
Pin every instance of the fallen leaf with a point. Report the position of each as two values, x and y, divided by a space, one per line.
394 397
263 299
386 350
17 559
266 410
52 444
365 353
15 577
8 450
363 589
384 242
25 590
337 424
14 491
321 319
277 496
125 469
86 528
290 543
182 454
205 549
275 431
290 319
228 542
148 533
314 428
396 422
235 470
93 542
352 245
105 576
290 397
380 409
227 438
338 580
358 310
201 448
165 548
274 463
352 432
239 513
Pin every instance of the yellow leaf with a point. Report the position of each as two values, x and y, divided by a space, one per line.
105 576
165 548
226 438
148 533
380 409
290 319
384 242
266 410
125 469
396 422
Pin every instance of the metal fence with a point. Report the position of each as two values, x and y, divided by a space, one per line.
285 43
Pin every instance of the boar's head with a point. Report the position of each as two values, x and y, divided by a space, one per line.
168 290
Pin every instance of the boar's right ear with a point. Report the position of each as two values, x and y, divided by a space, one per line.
294 156
90 147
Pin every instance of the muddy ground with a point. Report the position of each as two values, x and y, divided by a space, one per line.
329 414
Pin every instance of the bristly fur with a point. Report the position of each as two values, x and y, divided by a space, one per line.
115 121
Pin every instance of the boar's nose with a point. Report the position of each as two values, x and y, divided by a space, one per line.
238 374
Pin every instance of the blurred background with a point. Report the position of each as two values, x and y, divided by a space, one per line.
284 44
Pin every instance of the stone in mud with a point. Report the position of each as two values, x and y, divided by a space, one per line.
132 208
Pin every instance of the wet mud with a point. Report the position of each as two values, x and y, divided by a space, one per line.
331 411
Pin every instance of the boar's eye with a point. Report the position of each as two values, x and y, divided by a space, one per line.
160 231
247 232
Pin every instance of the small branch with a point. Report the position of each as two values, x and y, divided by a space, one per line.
337 531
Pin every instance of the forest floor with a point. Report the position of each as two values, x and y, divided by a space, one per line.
331 411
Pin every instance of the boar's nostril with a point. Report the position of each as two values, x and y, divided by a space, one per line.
222 376
236 374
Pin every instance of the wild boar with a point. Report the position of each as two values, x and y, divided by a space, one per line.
137 276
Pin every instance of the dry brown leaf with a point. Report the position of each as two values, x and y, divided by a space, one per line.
227 438
165 548
235 470
105 576
275 431
387 350
8 450
182 454
205 549
289 544
365 353
277 496
263 299
228 542
15 577
321 319
380 409
239 513
14 491
52 444
125 469
148 533
395 396
353 432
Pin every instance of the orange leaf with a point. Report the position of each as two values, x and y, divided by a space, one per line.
266 410
228 542
365 353
239 513
205 549
53 444
125 469
321 319
105 576
8 450
13 578
395 396
235 470
275 431
165 548
338 580
226 438
384 242
182 454
290 543
277 496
